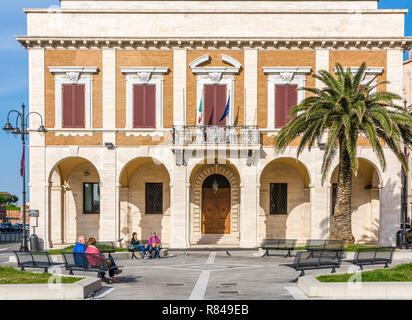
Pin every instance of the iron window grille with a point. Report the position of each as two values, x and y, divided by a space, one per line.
278 198
154 198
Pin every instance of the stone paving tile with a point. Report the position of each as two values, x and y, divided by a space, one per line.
243 275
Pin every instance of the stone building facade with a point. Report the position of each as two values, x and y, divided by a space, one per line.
132 91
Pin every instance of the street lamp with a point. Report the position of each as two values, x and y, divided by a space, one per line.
22 131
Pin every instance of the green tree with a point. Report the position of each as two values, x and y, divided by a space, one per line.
6 199
343 110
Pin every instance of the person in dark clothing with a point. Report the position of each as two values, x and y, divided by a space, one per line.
136 243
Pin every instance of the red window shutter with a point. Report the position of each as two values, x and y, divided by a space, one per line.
215 103
144 106
67 92
79 101
286 97
150 102
73 106
220 104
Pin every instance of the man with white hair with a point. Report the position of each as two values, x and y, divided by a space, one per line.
80 246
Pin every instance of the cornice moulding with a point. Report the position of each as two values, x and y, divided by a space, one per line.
277 70
73 69
369 70
217 11
125 43
152 70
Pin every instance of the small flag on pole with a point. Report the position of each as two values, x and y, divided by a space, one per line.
226 112
200 110
22 164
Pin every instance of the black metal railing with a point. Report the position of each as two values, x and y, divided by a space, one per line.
9 237
212 135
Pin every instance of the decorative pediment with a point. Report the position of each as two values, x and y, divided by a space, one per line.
369 70
213 71
144 74
287 74
73 73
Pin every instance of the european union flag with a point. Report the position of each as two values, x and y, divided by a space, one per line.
226 112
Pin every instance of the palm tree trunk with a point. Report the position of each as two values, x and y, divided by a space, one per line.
341 228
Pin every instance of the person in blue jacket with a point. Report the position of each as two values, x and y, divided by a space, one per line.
79 251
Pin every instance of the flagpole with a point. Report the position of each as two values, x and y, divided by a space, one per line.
184 107
244 110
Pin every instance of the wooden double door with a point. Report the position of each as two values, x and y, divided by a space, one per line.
216 211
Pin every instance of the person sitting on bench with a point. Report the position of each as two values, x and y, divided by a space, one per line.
136 243
94 256
79 250
154 242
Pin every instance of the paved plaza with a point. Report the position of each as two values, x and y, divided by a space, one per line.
204 275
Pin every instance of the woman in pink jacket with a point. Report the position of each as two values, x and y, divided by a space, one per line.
154 242
96 259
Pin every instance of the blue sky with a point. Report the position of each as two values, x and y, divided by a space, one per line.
14 78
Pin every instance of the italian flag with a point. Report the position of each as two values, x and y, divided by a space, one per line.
200 111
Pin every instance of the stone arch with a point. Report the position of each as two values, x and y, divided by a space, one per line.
295 222
67 218
365 201
133 178
196 198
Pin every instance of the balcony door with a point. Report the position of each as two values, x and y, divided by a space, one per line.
215 104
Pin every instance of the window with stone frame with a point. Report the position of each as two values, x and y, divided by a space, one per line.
91 197
154 198
278 198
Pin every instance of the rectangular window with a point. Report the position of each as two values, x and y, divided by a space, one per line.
91 197
334 195
215 104
144 106
286 97
154 198
73 105
278 198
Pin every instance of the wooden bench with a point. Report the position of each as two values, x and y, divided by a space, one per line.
78 261
145 243
278 244
371 256
317 259
34 259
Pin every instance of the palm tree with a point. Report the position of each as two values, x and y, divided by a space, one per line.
344 109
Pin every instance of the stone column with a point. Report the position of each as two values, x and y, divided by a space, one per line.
319 211
319 199
179 208
249 215
179 86
56 214
390 201
251 72
394 71
38 179
109 206
108 201
322 63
